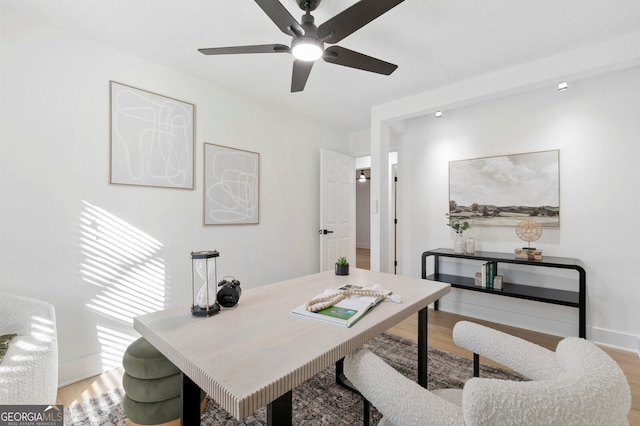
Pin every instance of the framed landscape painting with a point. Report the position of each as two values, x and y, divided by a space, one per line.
504 190
151 139
231 186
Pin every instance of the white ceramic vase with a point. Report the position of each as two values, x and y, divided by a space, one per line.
470 246
459 243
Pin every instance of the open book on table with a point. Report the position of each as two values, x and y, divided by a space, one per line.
347 311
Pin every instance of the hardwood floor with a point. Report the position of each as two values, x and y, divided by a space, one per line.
88 388
439 329
363 258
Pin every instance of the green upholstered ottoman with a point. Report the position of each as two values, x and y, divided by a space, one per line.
142 361
152 386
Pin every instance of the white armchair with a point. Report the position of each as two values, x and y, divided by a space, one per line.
578 384
29 370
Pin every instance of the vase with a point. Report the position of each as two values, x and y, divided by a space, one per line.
470 246
459 244
342 269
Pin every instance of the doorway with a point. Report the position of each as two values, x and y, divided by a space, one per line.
363 213
363 217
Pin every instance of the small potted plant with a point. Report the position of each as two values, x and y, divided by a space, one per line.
342 266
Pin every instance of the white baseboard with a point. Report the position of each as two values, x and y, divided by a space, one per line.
616 339
80 369
527 321
541 317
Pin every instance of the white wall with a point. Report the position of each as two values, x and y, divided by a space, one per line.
360 144
59 210
595 125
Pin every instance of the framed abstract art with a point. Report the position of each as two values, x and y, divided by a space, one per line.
152 139
231 186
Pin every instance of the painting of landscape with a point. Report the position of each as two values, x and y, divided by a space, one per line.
504 190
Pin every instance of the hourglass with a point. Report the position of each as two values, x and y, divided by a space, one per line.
204 270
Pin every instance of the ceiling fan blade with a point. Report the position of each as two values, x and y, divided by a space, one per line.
301 70
259 48
354 18
281 17
348 58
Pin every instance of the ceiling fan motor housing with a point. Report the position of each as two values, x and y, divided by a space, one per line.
312 4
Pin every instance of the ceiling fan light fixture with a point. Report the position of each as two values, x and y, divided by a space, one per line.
308 40
306 49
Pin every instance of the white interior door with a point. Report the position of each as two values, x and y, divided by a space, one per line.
337 209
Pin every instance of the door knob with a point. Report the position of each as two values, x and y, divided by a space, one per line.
325 231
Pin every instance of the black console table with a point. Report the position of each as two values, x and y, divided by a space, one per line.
576 299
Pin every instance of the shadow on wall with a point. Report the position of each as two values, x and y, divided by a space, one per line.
123 265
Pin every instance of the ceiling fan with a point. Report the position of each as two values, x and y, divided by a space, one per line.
308 40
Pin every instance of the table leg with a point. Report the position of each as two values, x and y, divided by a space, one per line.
366 412
476 365
341 379
280 411
422 348
190 396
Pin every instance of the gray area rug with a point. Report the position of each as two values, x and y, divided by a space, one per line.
318 401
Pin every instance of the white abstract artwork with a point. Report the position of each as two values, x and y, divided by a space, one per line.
151 139
231 185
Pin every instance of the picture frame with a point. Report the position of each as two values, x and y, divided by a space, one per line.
504 190
231 186
152 139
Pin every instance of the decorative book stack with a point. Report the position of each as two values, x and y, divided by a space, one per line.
488 277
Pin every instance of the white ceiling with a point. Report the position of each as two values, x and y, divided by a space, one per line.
434 43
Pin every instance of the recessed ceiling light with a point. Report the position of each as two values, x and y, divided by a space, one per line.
563 86
438 114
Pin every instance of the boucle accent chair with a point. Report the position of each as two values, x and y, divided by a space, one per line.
578 384
29 369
